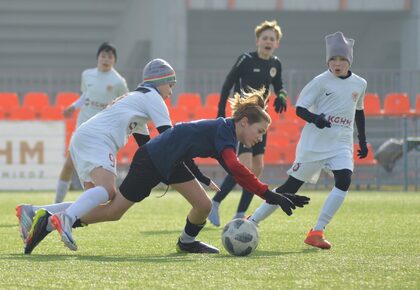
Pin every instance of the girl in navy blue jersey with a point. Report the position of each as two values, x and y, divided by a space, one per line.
166 157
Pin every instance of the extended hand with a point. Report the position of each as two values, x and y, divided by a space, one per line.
278 198
68 112
280 103
298 200
363 151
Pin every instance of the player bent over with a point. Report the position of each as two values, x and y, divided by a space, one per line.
164 159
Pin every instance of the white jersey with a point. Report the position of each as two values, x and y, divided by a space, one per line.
338 99
128 115
99 89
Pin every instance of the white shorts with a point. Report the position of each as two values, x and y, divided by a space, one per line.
310 171
88 153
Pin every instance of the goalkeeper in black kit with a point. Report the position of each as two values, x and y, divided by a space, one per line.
253 70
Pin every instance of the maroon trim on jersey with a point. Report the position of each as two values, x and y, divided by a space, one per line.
243 176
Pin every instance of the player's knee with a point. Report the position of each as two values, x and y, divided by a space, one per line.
112 191
343 180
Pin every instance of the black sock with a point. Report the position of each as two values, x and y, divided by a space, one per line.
191 231
78 224
227 186
245 201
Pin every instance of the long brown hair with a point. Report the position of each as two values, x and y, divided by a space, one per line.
251 104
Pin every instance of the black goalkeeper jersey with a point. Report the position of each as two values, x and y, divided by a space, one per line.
250 71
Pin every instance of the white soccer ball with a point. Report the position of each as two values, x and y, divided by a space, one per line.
240 237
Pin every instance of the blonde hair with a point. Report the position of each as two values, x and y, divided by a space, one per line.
269 25
251 105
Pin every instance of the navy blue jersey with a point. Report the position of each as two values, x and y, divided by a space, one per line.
185 141
250 71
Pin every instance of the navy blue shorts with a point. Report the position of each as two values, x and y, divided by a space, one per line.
143 176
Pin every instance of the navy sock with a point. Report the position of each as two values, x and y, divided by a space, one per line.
190 232
227 186
245 201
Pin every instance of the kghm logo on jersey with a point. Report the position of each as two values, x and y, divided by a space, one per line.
354 96
273 72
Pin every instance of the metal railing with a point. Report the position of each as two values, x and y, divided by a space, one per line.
53 80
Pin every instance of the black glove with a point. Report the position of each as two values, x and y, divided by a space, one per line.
278 198
363 151
321 122
280 104
298 200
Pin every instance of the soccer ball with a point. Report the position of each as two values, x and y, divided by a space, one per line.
240 237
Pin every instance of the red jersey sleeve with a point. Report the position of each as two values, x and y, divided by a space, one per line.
243 176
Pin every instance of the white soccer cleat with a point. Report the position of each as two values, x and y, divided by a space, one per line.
214 216
62 223
25 215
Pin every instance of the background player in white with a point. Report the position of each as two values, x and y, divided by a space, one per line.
96 142
99 86
330 103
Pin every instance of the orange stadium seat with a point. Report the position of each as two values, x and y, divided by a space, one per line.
397 104
212 100
8 100
418 105
272 154
287 155
369 160
125 155
52 113
178 114
22 113
372 105
279 138
189 100
65 99
205 113
36 100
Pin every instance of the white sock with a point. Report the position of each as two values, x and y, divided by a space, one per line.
53 208
263 212
215 204
89 199
62 188
186 238
331 205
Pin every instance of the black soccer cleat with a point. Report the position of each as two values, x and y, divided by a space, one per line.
38 230
196 247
